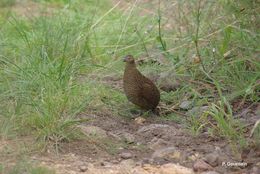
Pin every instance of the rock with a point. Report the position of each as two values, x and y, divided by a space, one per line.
162 131
116 136
126 155
157 143
127 137
114 161
165 152
168 81
128 162
171 168
140 120
152 127
197 110
147 161
120 148
83 168
194 157
200 166
147 167
258 164
93 131
244 153
212 159
105 164
186 105
176 155
209 172
255 170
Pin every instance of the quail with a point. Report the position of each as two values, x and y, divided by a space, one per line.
138 89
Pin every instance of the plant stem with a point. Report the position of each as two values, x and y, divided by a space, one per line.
159 28
196 40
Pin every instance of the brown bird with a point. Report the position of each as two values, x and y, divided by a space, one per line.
139 89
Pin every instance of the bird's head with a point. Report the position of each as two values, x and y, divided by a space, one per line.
129 59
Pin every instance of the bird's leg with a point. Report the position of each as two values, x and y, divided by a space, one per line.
136 112
150 113
140 113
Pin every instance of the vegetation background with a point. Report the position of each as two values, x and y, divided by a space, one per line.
54 54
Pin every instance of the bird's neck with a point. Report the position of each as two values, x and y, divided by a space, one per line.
130 67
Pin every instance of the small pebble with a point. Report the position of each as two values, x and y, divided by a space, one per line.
83 168
185 105
126 155
115 161
105 163
140 120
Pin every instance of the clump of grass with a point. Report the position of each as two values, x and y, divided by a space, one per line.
42 91
226 126
40 78
226 52
197 123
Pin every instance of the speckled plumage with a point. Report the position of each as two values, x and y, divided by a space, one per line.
139 89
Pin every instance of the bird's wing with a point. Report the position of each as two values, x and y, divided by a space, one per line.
149 93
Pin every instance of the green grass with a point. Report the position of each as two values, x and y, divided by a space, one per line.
25 167
51 65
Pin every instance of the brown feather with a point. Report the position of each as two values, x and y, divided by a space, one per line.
139 89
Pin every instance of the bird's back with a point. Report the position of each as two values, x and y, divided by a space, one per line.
140 90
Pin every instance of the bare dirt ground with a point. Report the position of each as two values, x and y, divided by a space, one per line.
142 145
154 142
149 145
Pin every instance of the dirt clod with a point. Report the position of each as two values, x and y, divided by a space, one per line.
128 138
126 155
83 168
200 166
157 143
168 151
